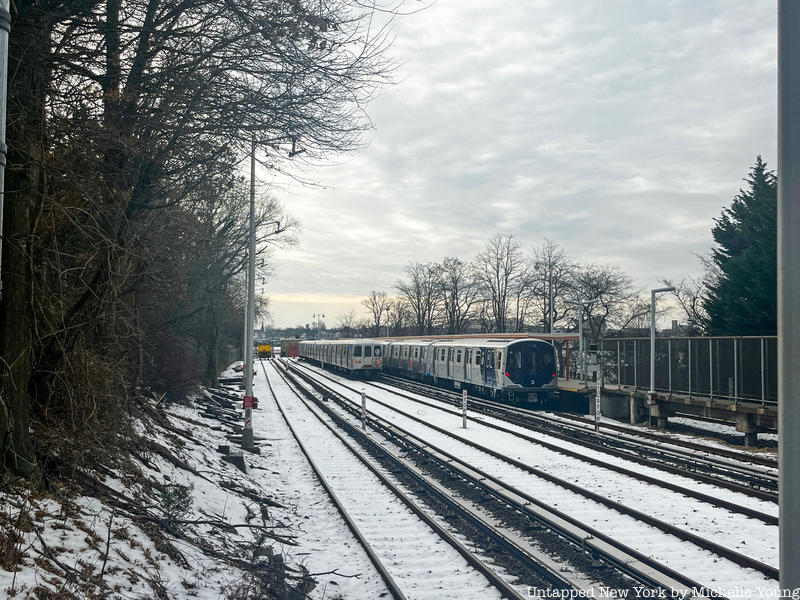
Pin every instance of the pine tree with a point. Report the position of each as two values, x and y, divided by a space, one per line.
742 298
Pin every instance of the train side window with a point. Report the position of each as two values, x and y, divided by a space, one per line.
367 351
356 351
458 356
416 352
442 356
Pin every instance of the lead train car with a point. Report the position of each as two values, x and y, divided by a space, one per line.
361 357
512 369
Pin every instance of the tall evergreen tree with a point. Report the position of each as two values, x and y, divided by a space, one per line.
742 298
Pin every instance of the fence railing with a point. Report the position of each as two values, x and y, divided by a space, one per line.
737 368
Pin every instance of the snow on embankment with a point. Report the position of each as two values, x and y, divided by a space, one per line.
177 522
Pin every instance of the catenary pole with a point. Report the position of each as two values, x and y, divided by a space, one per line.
789 289
247 432
5 29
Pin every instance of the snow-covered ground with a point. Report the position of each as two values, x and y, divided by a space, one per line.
748 536
719 428
83 545
200 524
417 558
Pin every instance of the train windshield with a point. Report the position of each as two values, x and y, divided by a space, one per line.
377 352
531 363
356 350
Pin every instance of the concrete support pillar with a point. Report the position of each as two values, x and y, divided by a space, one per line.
746 423
637 409
659 413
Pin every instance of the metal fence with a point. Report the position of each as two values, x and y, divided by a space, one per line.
738 368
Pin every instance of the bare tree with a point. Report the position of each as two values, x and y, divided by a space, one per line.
400 316
614 302
422 292
523 288
496 269
120 113
378 304
459 292
691 294
347 322
554 274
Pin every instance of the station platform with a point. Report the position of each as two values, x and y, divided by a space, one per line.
637 405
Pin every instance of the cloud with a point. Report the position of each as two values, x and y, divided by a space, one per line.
618 129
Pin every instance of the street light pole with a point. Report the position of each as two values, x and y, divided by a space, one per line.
318 323
580 304
653 335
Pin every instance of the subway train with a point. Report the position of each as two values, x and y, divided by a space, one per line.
359 357
511 369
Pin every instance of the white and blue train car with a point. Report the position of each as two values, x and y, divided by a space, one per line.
513 369
357 357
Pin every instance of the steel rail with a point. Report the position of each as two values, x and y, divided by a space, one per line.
541 417
718 549
732 506
391 584
632 562
734 454
505 588
515 416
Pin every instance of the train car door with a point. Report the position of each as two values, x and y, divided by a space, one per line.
459 367
488 372
449 363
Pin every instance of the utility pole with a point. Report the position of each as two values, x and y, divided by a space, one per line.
247 432
789 290
5 30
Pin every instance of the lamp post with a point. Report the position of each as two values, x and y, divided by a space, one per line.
580 304
387 310
653 335
317 322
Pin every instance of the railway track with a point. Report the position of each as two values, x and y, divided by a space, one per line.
605 463
426 444
436 566
702 463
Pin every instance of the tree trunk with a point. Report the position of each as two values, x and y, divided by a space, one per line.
28 76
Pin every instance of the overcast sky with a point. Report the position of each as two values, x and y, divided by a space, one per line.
618 129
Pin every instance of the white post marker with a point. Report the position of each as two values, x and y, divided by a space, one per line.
597 407
363 410
464 408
